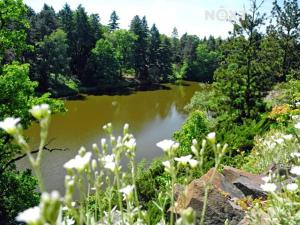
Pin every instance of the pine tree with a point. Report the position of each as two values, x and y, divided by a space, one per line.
175 46
66 21
154 54
140 29
287 27
113 22
242 76
47 22
95 26
83 42
165 59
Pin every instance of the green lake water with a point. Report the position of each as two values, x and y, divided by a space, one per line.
152 115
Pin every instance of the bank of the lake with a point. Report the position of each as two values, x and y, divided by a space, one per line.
153 115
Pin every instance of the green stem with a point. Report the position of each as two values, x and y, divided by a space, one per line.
38 174
119 196
137 202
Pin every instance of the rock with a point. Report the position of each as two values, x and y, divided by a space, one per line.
219 204
178 190
248 183
222 184
263 218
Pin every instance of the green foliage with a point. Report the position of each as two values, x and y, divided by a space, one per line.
272 148
46 22
18 189
104 63
52 58
83 42
179 71
284 93
196 127
13 25
206 63
286 30
123 43
240 136
63 86
150 180
207 100
18 192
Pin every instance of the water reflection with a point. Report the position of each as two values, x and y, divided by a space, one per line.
152 115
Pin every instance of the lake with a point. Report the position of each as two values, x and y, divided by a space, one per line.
153 115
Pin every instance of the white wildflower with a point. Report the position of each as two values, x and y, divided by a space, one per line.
40 111
30 216
269 144
127 192
131 144
109 162
295 154
292 187
266 179
184 159
297 104
288 137
297 125
279 141
296 170
211 137
269 187
79 162
68 221
193 163
167 164
167 145
9 125
168 167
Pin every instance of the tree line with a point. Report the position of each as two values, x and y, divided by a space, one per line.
73 47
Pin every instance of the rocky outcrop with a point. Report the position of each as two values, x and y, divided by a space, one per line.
248 183
225 188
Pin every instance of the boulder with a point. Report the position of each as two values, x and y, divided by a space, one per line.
220 207
248 183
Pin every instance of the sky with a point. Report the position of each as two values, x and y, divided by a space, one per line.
199 17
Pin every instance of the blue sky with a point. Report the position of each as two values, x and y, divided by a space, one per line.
200 17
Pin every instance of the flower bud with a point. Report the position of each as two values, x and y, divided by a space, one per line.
126 128
82 151
211 137
94 164
95 149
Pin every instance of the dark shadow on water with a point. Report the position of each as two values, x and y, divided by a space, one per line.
75 97
181 83
124 91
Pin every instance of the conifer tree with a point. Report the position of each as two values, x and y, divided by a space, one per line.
113 22
140 28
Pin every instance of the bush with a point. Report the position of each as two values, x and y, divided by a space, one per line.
18 192
196 127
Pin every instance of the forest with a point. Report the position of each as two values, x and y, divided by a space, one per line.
246 116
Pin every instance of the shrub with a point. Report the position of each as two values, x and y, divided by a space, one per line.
195 127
